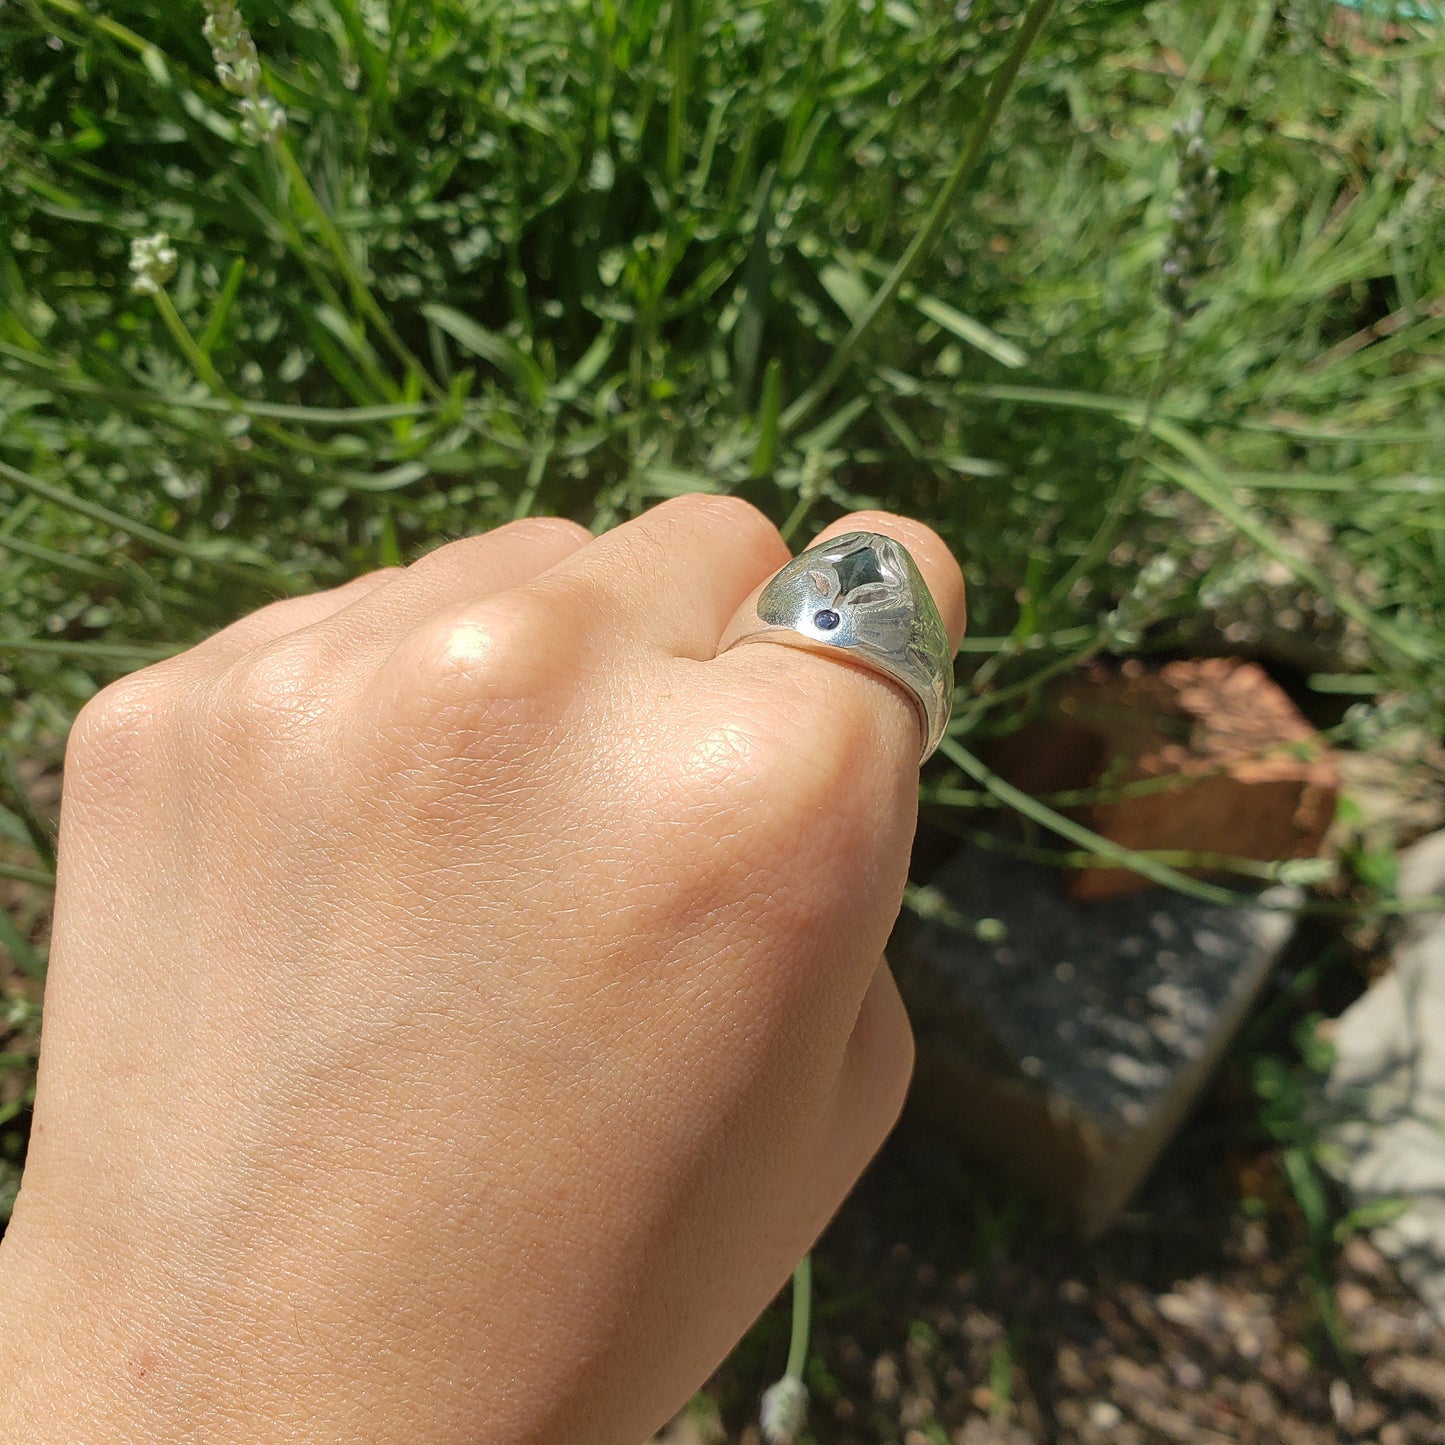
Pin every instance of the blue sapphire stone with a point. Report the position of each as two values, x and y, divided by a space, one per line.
827 619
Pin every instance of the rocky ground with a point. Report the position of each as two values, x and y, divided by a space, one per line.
951 1312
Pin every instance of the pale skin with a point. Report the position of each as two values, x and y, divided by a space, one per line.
466 999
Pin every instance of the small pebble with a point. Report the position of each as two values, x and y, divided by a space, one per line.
885 1379
1187 1375
1363 1258
1342 1402
1105 1415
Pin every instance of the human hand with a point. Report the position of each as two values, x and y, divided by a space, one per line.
465 1001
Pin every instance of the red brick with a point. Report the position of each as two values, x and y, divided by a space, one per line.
1241 772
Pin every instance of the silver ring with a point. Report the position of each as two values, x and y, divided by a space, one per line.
862 595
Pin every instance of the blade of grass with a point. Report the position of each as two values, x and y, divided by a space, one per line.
110 518
26 958
221 311
1205 481
38 831
119 653
20 874
932 228
1085 838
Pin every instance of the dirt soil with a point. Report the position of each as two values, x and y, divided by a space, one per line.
951 1312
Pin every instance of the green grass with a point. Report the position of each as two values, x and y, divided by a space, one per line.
515 256
555 257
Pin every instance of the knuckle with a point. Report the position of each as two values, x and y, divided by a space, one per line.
377 577
274 696
545 537
683 520
708 510
282 677
361 586
561 531
490 665
119 728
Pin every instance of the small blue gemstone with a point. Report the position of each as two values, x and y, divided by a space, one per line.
827 619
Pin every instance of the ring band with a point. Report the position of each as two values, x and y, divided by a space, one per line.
860 594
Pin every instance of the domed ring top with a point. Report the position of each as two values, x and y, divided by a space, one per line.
861 594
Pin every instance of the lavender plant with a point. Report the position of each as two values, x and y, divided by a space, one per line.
1193 220
152 263
238 68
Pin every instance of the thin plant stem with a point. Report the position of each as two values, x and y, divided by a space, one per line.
1076 833
938 217
149 53
122 655
1099 544
796 518
180 333
1108 530
361 294
21 874
149 536
25 956
802 1318
810 487
74 384
206 370
984 701
39 832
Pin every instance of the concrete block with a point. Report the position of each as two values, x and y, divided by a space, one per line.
1067 1042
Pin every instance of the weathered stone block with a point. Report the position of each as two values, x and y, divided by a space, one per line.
1069 1049
1204 755
1386 1089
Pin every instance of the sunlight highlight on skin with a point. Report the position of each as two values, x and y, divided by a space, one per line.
723 752
468 647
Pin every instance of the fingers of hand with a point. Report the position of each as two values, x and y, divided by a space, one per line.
483 642
277 619
672 577
460 572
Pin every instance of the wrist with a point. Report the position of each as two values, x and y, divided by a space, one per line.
95 1348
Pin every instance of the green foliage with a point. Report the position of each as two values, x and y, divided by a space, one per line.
573 258
1289 1093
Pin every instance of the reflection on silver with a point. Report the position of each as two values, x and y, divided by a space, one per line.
861 594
